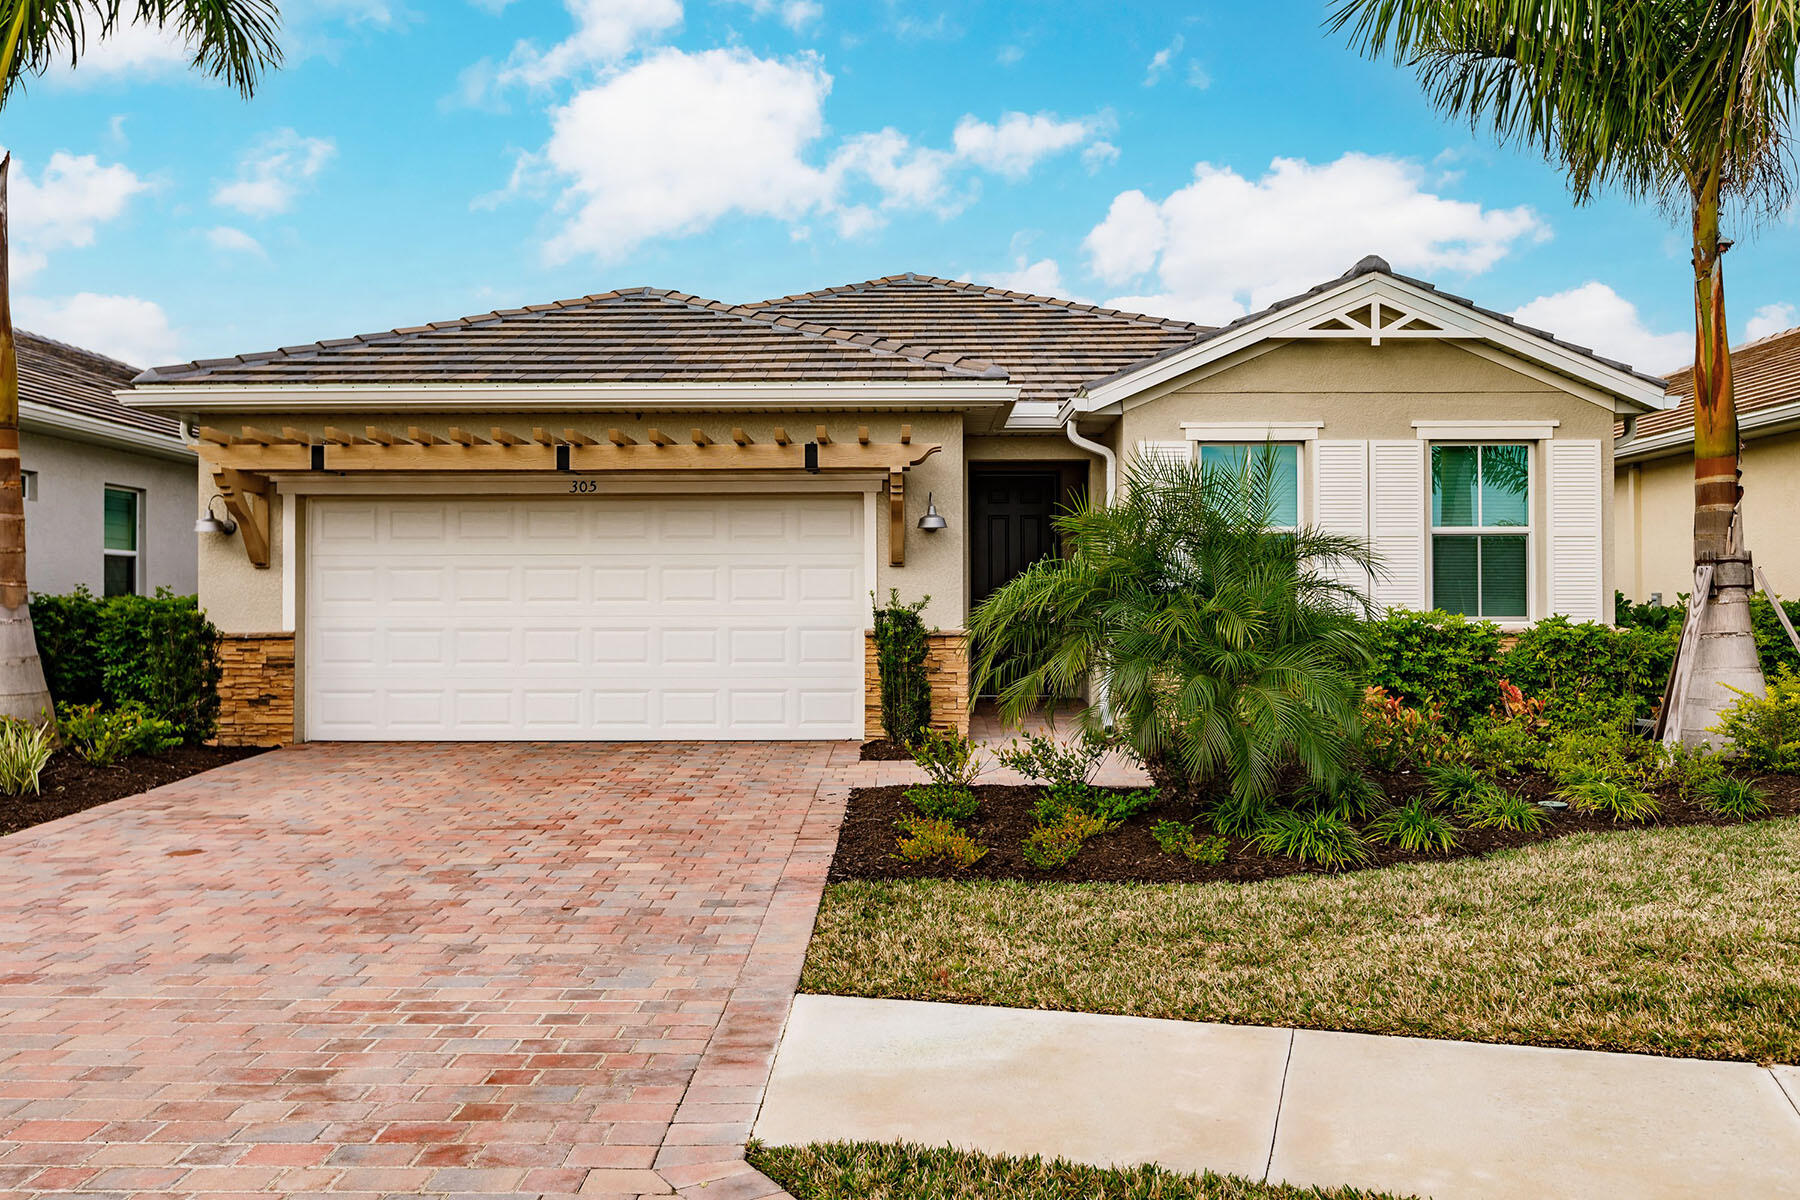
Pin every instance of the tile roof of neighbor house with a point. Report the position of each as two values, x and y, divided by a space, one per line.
1049 347
641 335
1763 373
58 375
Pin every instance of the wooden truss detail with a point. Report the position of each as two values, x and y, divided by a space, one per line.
246 497
1375 320
897 518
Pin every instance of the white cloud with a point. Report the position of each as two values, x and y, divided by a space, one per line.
1040 278
233 241
64 205
1770 318
795 14
134 49
1099 154
1225 244
1595 316
605 32
1161 61
907 176
272 172
1009 55
1018 142
128 328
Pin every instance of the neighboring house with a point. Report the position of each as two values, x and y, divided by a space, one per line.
644 514
1654 482
109 490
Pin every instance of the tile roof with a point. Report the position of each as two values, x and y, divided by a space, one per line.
1049 347
641 335
58 375
1763 373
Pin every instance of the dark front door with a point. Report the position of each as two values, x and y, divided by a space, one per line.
1011 528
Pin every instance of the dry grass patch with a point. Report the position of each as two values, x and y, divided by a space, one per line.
874 1171
1663 941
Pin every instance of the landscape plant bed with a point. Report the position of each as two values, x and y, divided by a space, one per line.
885 750
867 838
70 785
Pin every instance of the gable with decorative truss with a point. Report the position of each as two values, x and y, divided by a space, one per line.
1376 319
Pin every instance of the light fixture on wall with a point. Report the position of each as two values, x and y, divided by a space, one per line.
211 524
933 520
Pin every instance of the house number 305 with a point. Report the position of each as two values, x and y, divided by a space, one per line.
584 486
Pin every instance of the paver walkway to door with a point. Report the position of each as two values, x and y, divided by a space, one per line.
464 969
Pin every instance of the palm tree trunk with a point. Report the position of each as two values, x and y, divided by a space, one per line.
1725 651
23 693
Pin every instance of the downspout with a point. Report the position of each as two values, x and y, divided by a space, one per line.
1101 700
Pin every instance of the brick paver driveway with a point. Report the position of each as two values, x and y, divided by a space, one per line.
473 969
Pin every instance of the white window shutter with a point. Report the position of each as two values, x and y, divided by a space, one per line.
1397 519
1341 492
1575 543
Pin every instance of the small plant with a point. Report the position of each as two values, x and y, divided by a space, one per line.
1353 796
943 801
1503 745
1730 796
951 759
1055 842
900 645
1620 802
1110 805
1179 838
24 751
1414 828
1456 786
103 738
1057 764
925 838
1765 730
1500 809
1396 737
1689 770
1600 752
1321 839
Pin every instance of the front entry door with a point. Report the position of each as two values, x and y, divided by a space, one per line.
1012 511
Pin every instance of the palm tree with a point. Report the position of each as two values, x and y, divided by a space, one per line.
1684 102
232 40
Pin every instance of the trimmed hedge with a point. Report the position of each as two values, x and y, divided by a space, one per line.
901 642
1427 657
158 652
1772 645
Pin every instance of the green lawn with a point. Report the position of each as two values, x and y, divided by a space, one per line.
1665 941
865 1171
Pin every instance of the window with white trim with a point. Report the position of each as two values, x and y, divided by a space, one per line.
1233 457
1481 529
122 514
28 484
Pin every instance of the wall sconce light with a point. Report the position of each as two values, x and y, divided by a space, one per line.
211 524
933 520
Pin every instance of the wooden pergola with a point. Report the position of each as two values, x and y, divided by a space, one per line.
242 463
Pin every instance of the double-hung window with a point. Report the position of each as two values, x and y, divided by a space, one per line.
1235 458
122 514
1481 530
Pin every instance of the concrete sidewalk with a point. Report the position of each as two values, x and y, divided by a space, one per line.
1449 1120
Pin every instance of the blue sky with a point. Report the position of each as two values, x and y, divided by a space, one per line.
418 160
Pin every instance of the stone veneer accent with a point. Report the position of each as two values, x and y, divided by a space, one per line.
947 670
256 690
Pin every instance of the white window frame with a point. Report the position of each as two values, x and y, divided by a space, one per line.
1533 468
28 484
137 555
1198 445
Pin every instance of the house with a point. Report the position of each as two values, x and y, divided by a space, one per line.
644 514
109 490
1653 460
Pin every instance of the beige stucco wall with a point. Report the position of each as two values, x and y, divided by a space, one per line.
1654 501
64 526
1364 392
244 599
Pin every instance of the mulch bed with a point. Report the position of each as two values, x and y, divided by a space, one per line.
866 840
882 750
69 785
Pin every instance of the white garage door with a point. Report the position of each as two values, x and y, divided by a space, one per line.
602 618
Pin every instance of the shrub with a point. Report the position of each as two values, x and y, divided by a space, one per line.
1765 730
923 839
900 645
1603 752
1057 841
1772 645
102 737
1730 796
1498 808
1179 838
1436 659
1656 617
1354 797
1321 839
1110 805
1503 745
1397 737
1618 801
68 643
951 759
1690 771
1229 652
1570 664
24 751
944 801
1455 786
1414 828
162 654
1057 764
